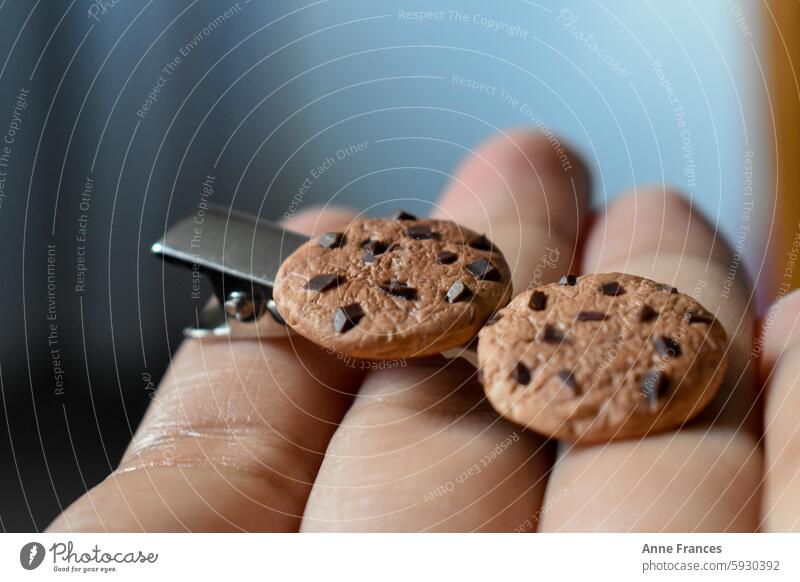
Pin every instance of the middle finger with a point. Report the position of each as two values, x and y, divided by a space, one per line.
420 449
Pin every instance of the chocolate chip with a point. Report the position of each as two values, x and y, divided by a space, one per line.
398 289
403 215
480 375
570 280
538 301
568 379
654 385
550 334
324 282
345 318
457 292
700 318
521 374
647 313
665 287
481 268
331 240
446 257
612 288
481 243
667 347
591 316
420 232
373 248
376 247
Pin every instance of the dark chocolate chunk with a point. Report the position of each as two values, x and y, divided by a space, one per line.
420 232
570 280
612 288
324 282
376 247
666 346
591 316
399 289
647 313
481 268
550 334
700 318
446 257
481 243
403 215
665 287
654 385
458 292
521 374
568 379
372 248
538 300
345 318
331 240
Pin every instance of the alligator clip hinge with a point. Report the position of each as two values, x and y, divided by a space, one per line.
241 256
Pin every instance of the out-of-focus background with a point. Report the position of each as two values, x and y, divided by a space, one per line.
113 113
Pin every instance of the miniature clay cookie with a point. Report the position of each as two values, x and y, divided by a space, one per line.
393 288
601 357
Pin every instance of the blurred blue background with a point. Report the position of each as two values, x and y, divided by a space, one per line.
144 100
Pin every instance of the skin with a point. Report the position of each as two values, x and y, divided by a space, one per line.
277 435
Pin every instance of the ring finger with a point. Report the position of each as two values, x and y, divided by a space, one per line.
703 477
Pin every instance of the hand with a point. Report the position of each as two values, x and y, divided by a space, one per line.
278 435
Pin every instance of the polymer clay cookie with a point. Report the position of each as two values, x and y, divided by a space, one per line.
393 288
601 357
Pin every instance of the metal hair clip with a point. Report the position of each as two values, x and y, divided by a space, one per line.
417 314
240 255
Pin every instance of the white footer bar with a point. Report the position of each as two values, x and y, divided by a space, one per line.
354 557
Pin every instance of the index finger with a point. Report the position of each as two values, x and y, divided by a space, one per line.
234 438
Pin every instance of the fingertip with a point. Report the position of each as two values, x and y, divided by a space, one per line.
780 330
520 174
651 219
547 153
315 220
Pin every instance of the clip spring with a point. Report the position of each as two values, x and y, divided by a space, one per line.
241 256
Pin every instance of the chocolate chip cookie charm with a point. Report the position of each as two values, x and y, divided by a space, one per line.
397 288
602 357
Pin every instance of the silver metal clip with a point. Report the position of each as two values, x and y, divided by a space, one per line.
240 255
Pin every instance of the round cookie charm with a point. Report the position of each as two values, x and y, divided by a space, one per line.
398 288
601 357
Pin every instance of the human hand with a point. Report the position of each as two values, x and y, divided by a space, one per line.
279 435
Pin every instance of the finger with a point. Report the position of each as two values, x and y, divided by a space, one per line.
705 475
530 197
420 449
780 508
233 439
